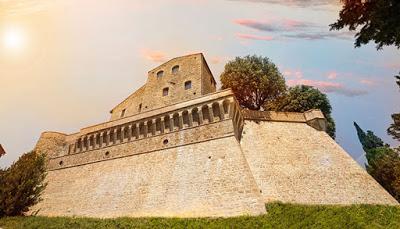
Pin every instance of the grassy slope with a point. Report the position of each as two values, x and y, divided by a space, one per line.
279 216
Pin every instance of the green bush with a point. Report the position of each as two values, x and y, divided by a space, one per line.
21 184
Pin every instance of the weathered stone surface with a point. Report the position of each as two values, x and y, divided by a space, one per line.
195 153
203 179
295 163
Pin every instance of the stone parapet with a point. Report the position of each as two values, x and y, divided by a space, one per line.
192 135
217 114
313 118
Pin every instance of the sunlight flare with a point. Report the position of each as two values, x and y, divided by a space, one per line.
13 39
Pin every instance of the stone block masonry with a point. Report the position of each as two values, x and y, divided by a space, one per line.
192 152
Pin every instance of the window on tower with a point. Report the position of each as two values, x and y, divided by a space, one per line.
165 91
160 74
188 85
175 69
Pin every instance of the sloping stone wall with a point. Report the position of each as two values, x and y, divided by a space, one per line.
206 179
293 162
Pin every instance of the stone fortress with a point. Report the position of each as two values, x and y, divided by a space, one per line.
177 147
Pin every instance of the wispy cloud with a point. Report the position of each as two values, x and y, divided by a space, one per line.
320 35
296 77
298 3
368 82
332 75
273 25
155 56
254 37
13 7
294 29
328 87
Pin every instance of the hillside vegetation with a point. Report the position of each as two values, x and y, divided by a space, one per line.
279 216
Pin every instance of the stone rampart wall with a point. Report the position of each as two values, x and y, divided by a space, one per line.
293 162
150 144
209 179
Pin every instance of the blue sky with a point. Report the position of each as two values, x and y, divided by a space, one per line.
71 61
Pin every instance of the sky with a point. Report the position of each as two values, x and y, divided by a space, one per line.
65 63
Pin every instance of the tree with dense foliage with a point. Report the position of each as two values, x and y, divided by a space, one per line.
383 162
374 20
368 140
21 184
303 98
385 169
255 80
394 129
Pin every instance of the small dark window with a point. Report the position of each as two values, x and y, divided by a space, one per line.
61 163
165 91
160 74
107 153
175 69
123 113
188 85
140 107
165 141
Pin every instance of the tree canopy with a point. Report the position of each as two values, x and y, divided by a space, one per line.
255 80
394 129
21 184
368 140
303 98
374 20
383 162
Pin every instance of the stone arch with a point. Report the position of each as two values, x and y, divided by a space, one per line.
206 114
217 111
85 143
226 104
141 130
158 126
185 118
126 132
90 144
105 137
167 123
176 121
111 135
79 144
195 116
97 142
119 132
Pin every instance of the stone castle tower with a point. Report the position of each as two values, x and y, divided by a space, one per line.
178 147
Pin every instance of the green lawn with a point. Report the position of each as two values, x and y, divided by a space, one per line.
279 216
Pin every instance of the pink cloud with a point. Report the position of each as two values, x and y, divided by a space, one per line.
216 59
367 82
328 87
155 56
297 74
332 75
274 25
254 37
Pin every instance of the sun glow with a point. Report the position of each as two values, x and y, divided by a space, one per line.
13 39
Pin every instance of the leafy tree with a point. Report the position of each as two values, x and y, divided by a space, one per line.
368 140
303 98
385 168
255 80
379 21
383 162
394 129
21 184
